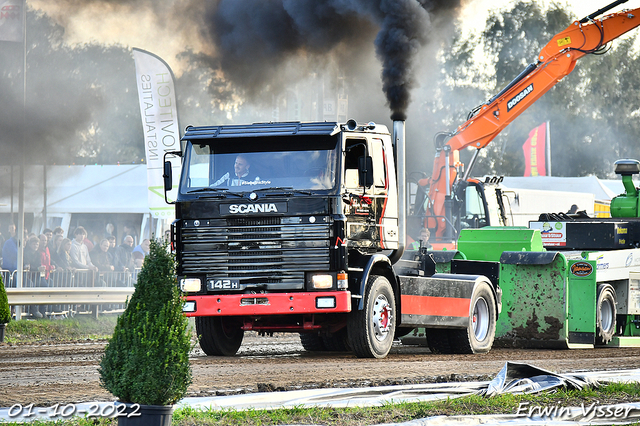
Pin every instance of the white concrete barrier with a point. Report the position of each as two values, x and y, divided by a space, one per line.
68 295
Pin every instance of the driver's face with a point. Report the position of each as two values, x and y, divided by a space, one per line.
241 166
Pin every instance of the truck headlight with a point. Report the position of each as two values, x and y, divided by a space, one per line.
190 285
321 281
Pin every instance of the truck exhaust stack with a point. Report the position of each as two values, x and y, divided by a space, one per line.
399 143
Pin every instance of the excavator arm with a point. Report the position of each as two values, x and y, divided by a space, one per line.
556 60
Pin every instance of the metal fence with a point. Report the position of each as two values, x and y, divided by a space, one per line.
65 293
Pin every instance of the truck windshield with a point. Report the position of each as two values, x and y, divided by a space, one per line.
206 166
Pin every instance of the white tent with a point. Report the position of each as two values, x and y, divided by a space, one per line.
587 184
77 189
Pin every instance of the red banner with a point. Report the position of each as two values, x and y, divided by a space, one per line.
534 150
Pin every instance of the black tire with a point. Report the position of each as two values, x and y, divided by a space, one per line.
605 314
481 328
219 336
371 331
438 340
337 342
312 342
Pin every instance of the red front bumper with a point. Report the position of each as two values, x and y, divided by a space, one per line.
269 304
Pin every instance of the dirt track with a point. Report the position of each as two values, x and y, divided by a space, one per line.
68 373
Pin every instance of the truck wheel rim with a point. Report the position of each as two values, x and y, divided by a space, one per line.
382 317
480 319
606 315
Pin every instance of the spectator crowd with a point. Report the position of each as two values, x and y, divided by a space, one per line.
51 259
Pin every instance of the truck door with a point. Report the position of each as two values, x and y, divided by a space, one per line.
367 208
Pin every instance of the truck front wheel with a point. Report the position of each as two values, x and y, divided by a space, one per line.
481 328
219 336
371 330
605 314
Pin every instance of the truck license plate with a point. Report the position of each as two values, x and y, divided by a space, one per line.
223 284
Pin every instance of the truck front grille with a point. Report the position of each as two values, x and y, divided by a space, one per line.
262 252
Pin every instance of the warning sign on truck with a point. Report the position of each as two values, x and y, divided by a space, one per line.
553 233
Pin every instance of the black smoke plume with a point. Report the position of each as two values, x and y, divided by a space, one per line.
405 28
255 37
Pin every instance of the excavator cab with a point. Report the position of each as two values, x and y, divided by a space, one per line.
469 210
472 211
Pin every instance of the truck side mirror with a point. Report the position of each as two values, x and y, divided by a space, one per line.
365 171
167 176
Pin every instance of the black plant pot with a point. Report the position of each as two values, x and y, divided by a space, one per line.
2 329
150 415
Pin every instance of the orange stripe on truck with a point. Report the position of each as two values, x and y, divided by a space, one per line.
438 306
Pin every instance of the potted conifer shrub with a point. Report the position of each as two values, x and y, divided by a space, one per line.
5 310
146 362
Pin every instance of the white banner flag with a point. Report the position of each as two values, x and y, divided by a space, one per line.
159 112
11 20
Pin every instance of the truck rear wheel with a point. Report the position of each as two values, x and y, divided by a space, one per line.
605 314
219 336
481 328
337 342
372 329
312 342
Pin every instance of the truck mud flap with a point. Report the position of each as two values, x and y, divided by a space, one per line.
490 270
440 301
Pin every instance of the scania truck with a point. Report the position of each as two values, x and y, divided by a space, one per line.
299 227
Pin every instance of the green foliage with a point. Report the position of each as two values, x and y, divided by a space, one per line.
147 358
84 112
592 112
87 111
5 311
82 327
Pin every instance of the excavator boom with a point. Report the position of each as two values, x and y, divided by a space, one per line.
556 60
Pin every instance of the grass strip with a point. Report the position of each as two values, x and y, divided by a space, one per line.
616 393
81 327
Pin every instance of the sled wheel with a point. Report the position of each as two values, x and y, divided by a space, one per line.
312 342
438 340
605 314
481 328
372 329
219 336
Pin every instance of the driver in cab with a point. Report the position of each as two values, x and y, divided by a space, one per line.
241 174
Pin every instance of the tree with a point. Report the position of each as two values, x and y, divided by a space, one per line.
147 358
81 101
590 112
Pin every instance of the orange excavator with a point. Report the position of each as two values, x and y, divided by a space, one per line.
441 197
